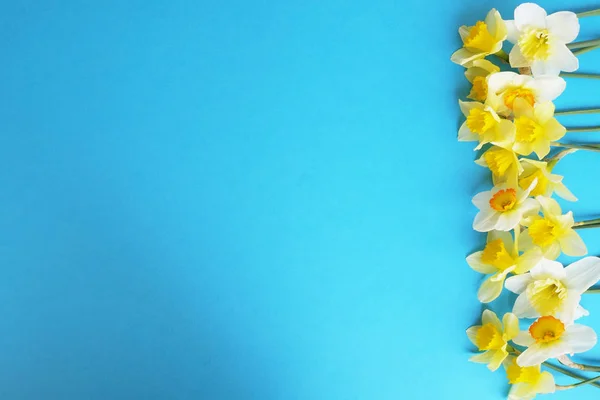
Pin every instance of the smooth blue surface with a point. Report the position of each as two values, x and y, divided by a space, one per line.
245 200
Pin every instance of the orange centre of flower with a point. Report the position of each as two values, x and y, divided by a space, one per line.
547 329
518 93
504 200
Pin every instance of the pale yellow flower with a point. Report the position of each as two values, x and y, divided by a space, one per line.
536 128
547 183
498 258
492 338
477 74
483 125
527 382
503 163
553 232
482 39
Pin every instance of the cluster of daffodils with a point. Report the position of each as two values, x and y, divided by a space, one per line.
510 117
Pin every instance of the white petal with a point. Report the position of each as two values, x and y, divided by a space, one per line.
548 87
508 220
572 244
490 317
512 33
562 191
552 251
530 15
474 261
580 312
498 357
483 358
518 283
485 221
463 56
563 58
564 25
490 290
546 383
579 338
569 307
482 200
548 269
549 67
529 206
528 260
523 338
517 59
500 80
523 307
465 134
582 274
472 334
537 354
549 205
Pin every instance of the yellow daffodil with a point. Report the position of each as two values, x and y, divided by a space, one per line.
499 259
504 164
540 40
505 87
492 338
477 74
549 337
483 125
553 232
550 289
548 183
480 40
536 128
527 382
503 208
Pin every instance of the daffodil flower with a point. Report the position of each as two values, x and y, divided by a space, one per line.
483 125
477 74
549 337
527 382
540 40
536 128
503 207
504 164
547 182
492 338
482 39
550 289
505 87
553 232
499 259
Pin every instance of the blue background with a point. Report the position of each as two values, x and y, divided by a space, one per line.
246 200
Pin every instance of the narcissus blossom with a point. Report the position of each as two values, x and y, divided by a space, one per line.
477 74
492 338
483 125
540 40
553 232
503 208
549 337
547 182
505 87
503 163
499 259
527 382
482 39
535 128
550 289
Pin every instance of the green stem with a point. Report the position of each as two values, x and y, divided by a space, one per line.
502 55
584 129
577 146
566 361
568 373
574 385
579 111
590 13
585 43
585 50
579 75
592 291
590 223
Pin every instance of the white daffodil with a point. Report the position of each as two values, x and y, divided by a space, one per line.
547 182
477 74
535 128
527 382
483 125
504 164
553 232
505 87
482 39
550 289
540 40
503 207
492 337
499 259
549 337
